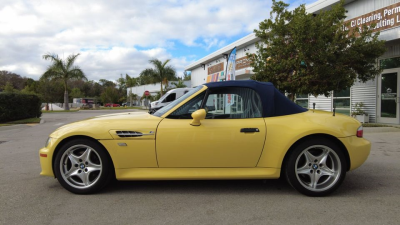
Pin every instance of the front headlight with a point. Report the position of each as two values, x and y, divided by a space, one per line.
47 142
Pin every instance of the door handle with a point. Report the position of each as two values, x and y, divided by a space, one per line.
249 130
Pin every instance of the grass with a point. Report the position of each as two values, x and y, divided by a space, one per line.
55 111
121 108
24 121
377 125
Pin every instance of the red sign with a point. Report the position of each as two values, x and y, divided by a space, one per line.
147 93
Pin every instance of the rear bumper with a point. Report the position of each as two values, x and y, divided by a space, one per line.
358 149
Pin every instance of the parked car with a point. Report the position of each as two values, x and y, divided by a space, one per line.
221 130
167 98
127 104
111 105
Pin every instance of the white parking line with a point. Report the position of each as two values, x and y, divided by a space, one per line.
58 124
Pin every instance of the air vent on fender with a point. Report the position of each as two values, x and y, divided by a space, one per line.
129 134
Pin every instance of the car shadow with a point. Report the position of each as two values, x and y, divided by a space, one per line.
209 187
354 184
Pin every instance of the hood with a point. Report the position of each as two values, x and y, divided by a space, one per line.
102 127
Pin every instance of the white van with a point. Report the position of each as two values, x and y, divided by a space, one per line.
167 98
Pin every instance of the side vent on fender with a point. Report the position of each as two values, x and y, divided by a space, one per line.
129 134
132 133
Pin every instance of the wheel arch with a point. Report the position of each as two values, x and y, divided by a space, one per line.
58 147
313 136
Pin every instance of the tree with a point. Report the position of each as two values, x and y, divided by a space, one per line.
187 76
76 93
313 54
50 90
179 84
8 88
131 82
109 95
63 70
160 73
15 80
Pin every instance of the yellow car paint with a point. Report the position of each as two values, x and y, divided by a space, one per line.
136 153
215 143
94 128
284 131
196 173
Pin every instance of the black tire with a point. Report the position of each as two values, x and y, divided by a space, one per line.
82 166
316 167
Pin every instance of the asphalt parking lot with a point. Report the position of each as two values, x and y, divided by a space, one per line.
369 195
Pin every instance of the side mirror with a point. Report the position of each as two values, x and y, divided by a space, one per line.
197 116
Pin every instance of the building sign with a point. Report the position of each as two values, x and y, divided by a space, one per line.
216 68
216 77
385 18
242 63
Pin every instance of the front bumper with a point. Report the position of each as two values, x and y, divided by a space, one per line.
46 156
358 149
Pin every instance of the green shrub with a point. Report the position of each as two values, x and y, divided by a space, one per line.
19 106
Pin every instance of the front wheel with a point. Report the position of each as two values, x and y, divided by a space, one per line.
82 166
316 167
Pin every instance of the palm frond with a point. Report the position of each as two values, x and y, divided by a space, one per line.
71 60
51 56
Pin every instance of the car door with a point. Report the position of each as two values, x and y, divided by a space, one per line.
232 135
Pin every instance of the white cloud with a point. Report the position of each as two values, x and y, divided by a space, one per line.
118 37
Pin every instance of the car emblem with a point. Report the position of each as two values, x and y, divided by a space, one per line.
315 166
82 166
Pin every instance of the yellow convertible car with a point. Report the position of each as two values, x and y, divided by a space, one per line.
221 130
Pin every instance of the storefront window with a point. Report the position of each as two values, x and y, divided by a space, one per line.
341 101
302 100
389 63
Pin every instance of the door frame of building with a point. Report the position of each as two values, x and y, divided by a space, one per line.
379 118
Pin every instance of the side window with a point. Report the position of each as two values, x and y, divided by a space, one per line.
171 97
233 103
186 110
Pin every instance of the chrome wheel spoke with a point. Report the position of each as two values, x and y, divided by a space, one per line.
73 158
309 157
86 155
326 171
314 180
324 157
304 170
93 167
72 172
85 178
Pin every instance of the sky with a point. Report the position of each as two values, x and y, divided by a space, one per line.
120 36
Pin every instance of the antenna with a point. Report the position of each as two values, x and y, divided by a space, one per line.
334 110
313 106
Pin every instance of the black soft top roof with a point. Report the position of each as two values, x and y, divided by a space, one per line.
273 101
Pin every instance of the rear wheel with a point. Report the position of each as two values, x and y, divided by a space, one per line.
82 166
316 167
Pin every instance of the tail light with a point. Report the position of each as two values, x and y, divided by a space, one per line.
360 132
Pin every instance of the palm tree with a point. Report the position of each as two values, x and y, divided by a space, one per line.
130 82
180 84
161 73
63 70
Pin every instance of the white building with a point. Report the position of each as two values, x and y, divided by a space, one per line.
380 96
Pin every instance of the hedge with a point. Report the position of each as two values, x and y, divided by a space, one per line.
19 106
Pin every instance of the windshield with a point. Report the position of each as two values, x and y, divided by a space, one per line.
166 108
